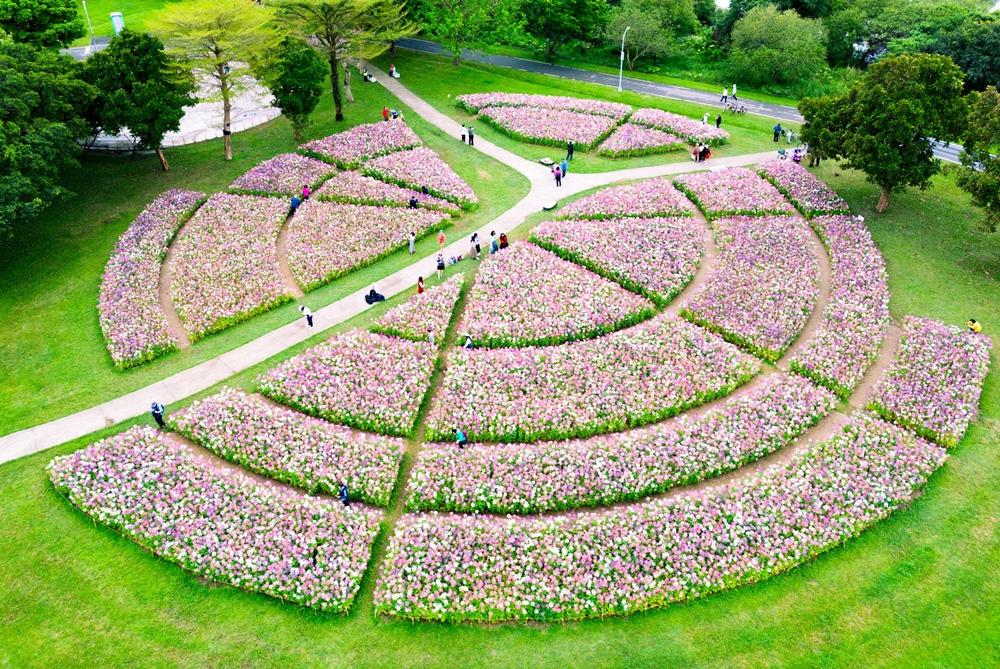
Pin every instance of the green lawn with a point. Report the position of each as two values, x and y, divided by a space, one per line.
51 348
918 590
135 14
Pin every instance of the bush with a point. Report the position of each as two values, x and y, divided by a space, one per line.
777 47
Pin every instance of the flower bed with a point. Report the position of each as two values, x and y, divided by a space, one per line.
285 174
356 188
655 257
225 266
934 382
217 525
474 102
856 318
327 240
350 148
359 379
628 378
549 127
690 129
649 198
431 310
287 446
735 191
630 140
765 285
421 167
135 329
809 195
447 567
527 296
553 476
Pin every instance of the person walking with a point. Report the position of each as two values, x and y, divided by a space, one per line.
777 131
718 121
503 241
441 240
734 93
460 438
440 265
420 285
463 133
413 239
704 119
565 167
557 173
156 411
494 244
474 245
725 96
306 191
569 150
307 312
295 205
472 137
343 495
385 113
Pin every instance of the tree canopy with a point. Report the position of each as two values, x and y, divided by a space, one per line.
980 173
296 80
557 22
460 24
44 23
777 47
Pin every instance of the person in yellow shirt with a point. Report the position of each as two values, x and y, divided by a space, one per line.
974 326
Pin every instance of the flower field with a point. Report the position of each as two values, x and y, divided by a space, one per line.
327 240
225 267
474 102
421 167
488 568
765 285
934 382
691 130
220 526
525 296
554 476
655 257
856 317
735 191
631 139
649 198
810 195
363 380
285 174
133 324
356 188
430 310
628 378
350 148
549 127
287 446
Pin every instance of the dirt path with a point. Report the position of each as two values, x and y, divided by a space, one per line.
177 330
709 260
859 398
291 285
824 287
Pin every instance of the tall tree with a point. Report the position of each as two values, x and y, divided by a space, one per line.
556 22
218 40
980 173
296 80
41 95
974 48
460 24
344 28
777 47
140 89
649 35
44 23
819 129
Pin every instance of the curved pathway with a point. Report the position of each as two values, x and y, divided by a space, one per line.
206 374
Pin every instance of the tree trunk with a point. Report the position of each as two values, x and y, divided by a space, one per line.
338 103
163 159
296 132
227 108
883 200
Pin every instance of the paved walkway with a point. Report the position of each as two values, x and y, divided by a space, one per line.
175 388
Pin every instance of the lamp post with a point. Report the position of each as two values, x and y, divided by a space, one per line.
91 25
621 61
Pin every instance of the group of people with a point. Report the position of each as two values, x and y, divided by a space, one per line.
497 243
390 113
725 94
467 131
701 152
297 200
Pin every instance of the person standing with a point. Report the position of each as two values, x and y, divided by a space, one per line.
413 205
474 245
503 240
718 121
557 173
468 341
734 93
156 411
704 119
460 438
472 137
564 166
441 240
430 335
777 131
440 265
494 244
725 96
463 133
307 312
385 113
343 496
420 285
413 235
306 192
295 204
569 150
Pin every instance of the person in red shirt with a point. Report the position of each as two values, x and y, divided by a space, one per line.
385 113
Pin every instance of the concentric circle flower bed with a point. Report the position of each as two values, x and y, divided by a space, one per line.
649 198
350 148
682 126
735 191
549 127
809 195
419 168
424 315
285 174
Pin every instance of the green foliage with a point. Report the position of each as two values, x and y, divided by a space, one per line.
44 23
138 88
41 97
556 22
296 79
737 10
772 46
460 24
975 47
980 173
813 9
819 129
650 35
705 11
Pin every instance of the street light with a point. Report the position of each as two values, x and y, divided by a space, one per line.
621 62
87 14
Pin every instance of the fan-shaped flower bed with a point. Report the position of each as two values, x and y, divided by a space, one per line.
446 567
428 312
649 198
735 191
355 188
655 257
419 168
217 525
135 329
549 127
809 195
856 317
526 296
690 129
285 174
350 148
553 476
287 446
764 287
359 379
628 378
474 102
631 139
934 382
225 266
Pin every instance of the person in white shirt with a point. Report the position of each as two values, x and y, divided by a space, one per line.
307 312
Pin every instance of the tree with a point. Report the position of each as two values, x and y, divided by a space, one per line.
974 48
296 80
140 89
705 11
980 172
819 128
40 98
342 28
218 41
556 22
737 10
466 23
647 36
44 23
777 47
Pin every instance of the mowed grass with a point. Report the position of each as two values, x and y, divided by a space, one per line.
917 590
439 82
135 13
51 349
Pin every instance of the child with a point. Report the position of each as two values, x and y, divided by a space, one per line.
420 284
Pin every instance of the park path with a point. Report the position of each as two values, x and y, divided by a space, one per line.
204 375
